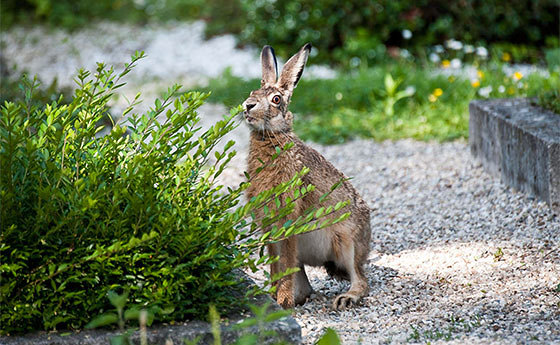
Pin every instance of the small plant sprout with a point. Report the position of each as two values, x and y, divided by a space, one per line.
144 318
498 254
392 95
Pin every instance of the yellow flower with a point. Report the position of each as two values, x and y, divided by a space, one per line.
432 98
517 75
336 121
438 92
480 74
475 83
506 57
445 63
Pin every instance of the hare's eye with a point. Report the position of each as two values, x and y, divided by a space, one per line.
276 99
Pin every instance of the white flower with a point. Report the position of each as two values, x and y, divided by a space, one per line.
290 23
406 34
438 49
454 44
355 61
468 49
405 53
434 58
455 63
410 90
485 91
338 96
502 89
482 52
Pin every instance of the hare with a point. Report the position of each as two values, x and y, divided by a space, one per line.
341 248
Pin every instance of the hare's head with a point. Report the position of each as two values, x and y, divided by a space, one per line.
266 109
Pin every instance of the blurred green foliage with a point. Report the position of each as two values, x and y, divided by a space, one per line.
340 30
258 329
550 100
354 104
11 89
70 14
362 28
553 58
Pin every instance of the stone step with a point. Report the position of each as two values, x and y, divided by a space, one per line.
520 143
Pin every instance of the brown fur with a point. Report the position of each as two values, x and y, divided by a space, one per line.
343 247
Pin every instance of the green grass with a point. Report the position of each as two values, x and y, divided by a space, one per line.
358 104
455 326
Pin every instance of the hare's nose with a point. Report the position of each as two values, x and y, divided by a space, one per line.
249 106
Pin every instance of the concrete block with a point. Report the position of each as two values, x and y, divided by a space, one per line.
520 143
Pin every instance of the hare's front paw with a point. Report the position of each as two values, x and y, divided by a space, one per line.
285 301
285 292
345 300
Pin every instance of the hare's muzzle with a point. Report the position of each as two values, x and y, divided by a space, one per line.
248 117
247 106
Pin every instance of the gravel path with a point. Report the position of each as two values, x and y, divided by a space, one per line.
456 256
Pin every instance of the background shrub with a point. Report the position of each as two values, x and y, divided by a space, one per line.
139 213
550 100
340 30
72 14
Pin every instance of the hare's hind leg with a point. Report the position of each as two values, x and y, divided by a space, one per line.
351 261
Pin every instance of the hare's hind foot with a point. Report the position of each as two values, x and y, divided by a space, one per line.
358 283
358 289
345 300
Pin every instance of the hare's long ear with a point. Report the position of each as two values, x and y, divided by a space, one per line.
293 69
269 66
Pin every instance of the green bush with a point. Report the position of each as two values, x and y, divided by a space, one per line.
72 14
361 28
11 90
340 30
553 58
550 100
138 213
